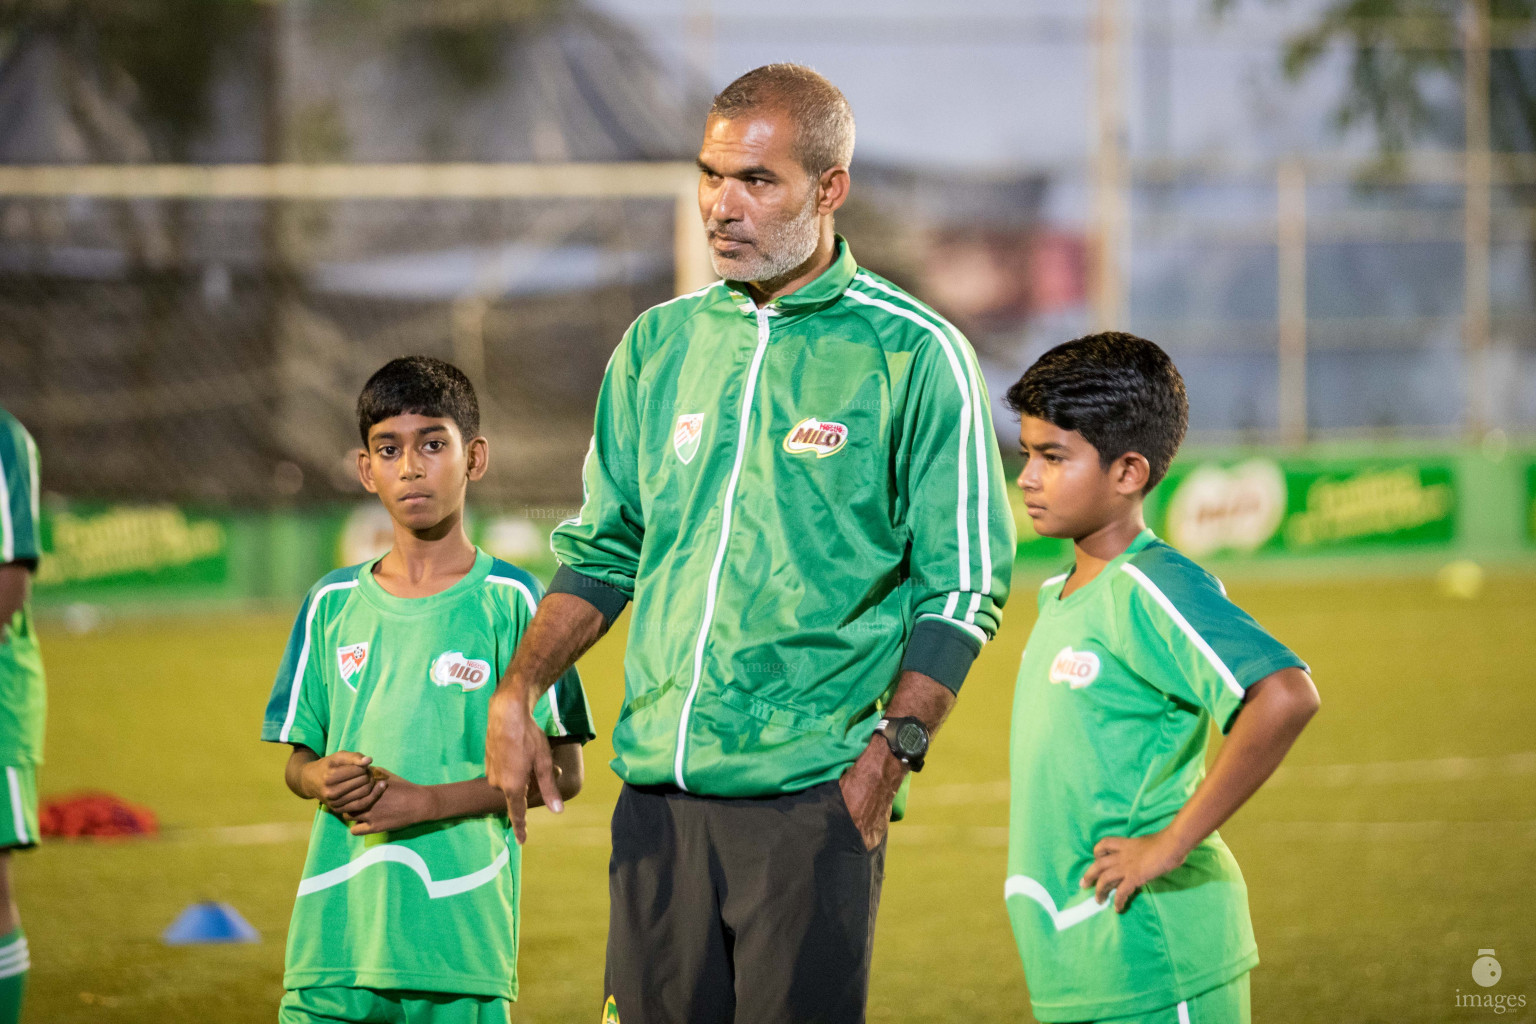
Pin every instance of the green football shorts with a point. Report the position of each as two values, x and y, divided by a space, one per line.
1225 1004
18 807
330 1004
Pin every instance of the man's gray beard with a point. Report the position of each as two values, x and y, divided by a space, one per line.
778 250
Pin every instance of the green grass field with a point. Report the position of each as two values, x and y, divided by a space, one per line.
1397 842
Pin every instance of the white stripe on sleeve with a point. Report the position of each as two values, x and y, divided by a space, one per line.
298 672
962 535
1188 630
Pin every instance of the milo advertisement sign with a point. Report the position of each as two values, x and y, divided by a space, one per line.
1269 505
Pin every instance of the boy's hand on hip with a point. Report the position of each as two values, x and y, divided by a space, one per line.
517 756
400 804
1123 865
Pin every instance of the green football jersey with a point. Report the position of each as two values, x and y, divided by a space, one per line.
23 701
407 681
1120 684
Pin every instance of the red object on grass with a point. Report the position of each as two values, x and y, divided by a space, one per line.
98 815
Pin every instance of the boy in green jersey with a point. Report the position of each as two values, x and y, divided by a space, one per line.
408 905
1126 904
22 696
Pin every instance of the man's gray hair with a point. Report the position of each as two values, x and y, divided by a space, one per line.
821 115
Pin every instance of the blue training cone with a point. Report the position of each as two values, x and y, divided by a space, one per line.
209 922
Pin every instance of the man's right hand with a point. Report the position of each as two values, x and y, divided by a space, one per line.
342 782
517 754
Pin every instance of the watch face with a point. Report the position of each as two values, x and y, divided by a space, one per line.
911 738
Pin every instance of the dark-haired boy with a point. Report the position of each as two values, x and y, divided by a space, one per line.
408 905
1136 654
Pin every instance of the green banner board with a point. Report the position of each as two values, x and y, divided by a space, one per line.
1530 502
129 547
1303 507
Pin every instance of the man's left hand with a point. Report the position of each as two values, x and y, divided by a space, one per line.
1122 865
869 789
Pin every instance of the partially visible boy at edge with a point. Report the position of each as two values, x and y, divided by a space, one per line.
408 905
1126 904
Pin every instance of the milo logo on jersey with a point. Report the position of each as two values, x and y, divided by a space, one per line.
813 435
453 669
1075 668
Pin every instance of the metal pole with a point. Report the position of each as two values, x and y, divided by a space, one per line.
1291 241
1478 214
1107 233
691 268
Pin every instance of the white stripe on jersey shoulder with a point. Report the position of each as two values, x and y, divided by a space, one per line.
552 694
7 528
1184 1012
962 538
1188 630
975 631
979 431
297 683
1054 580
520 585
37 515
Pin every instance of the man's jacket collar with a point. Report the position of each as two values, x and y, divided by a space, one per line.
817 294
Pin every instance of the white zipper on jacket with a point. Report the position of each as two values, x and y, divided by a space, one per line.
725 533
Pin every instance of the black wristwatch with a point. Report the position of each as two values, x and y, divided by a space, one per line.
907 738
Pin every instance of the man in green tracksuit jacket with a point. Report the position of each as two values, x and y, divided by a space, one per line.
793 477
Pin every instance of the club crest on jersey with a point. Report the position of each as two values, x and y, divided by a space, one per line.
813 435
686 435
1075 668
611 1011
350 659
453 669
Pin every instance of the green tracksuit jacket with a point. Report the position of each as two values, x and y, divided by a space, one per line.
801 499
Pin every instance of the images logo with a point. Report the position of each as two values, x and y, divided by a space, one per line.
453 669
1075 668
813 435
351 660
686 435
1486 971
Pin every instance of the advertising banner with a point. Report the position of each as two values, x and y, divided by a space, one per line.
1268 505
106 547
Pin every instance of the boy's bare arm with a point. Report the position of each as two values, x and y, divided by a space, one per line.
517 753
15 583
342 781
404 803
1275 710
